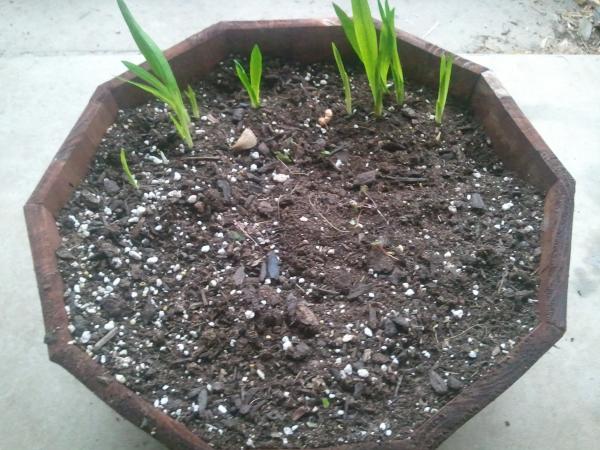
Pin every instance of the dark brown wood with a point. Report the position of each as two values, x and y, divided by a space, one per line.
513 137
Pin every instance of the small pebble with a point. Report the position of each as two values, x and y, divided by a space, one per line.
507 206
120 378
152 260
205 248
249 314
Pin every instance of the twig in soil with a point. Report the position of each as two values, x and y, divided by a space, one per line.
203 158
364 191
397 388
501 283
325 218
327 291
406 180
464 331
104 340
243 230
203 295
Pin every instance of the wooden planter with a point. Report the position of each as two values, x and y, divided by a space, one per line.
518 145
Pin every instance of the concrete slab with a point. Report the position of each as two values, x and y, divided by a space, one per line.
45 408
40 27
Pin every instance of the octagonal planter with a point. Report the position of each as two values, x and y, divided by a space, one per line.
516 142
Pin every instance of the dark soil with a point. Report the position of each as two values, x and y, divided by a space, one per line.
348 302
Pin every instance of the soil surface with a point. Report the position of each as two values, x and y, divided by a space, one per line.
332 284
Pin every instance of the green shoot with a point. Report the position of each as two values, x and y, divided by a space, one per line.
445 73
344 77
128 174
160 81
191 96
376 57
388 31
284 157
251 83
325 402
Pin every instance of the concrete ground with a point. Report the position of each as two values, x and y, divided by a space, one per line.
53 54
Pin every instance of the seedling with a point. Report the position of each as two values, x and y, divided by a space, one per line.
445 73
325 402
376 57
251 83
128 174
344 76
388 32
191 95
160 81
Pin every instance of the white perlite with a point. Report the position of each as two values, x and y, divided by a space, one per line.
135 255
85 337
222 409
205 248
120 378
473 354
286 343
249 314
363 373
280 177
458 313
192 199
347 338
152 260
368 332
409 292
507 206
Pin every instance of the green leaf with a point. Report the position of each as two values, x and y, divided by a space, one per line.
256 71
156 60
161 82
191 95
325 402
366 37
152 91
128 173
348 26
444 85
146 76
344 76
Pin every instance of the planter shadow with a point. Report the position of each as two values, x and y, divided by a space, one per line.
514 139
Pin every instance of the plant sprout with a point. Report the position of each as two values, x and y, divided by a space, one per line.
128 174
251 83
160 82
445 73
344 77
191 95
376 57
388 32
